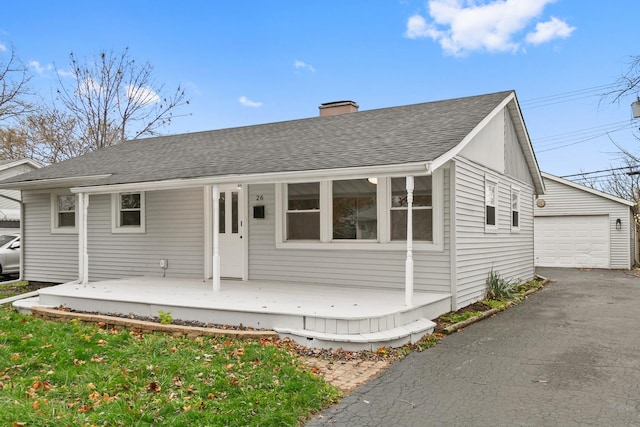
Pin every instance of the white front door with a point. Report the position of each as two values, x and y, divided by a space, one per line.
231 229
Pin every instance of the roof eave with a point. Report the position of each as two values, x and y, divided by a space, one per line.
403 169
44 184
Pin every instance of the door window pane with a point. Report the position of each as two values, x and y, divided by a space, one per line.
355 210
234 212
221 216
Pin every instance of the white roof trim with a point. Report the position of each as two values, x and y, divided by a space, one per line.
587 189
420 168
511 98
31 162
51 182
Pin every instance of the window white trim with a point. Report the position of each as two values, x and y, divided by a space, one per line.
491 182
515 191
383 242
55 227
115 214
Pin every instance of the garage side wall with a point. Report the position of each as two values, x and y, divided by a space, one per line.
563 200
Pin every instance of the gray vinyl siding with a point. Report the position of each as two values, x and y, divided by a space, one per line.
357 268
174 231
47 257
564 200
507 251
515 164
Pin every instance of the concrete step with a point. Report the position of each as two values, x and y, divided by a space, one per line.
24 305
394 337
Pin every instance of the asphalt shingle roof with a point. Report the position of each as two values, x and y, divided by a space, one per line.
406 134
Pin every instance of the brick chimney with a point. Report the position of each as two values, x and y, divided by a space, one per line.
338 107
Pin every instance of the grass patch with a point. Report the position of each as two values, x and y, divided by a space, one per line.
455 317
73 374
12 289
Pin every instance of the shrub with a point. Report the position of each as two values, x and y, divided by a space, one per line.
497 287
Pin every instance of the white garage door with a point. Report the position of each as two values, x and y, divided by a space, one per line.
572 241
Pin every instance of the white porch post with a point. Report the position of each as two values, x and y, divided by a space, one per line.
83 256
408 282
216 237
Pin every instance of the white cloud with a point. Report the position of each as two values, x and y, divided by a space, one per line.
300 64
142 94
464 26
3 48
39 68
248 103
64 73
547 31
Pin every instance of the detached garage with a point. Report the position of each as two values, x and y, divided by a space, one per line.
577 226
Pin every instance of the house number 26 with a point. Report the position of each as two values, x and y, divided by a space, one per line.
259 197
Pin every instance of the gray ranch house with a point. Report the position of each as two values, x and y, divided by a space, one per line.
351 229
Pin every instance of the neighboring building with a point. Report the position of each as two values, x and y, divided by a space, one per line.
577 226
9 199
314 201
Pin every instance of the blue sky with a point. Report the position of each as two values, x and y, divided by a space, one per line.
251 62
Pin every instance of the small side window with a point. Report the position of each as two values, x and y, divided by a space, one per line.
491 204
128 213
63 213
515 208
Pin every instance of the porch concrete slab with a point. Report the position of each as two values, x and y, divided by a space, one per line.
329 302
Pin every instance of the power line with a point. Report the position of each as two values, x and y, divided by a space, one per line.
597 172
573 95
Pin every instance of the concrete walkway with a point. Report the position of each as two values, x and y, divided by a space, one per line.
568 356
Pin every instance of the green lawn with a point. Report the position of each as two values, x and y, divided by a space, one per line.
72 374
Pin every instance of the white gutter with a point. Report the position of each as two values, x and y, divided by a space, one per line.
419 168
51 183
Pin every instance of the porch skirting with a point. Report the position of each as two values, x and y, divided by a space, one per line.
314 315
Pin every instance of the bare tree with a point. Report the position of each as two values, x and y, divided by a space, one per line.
113 98
629 82
49 136
14 89
13 144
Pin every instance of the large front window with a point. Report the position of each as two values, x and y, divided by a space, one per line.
422 211
363 213
355 210
303 211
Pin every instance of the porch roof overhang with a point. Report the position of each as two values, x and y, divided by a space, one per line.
418 168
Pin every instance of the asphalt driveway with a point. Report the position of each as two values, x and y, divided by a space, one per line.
568 356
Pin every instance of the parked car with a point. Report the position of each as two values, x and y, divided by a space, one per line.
9 254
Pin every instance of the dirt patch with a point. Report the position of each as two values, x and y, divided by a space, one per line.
478 306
